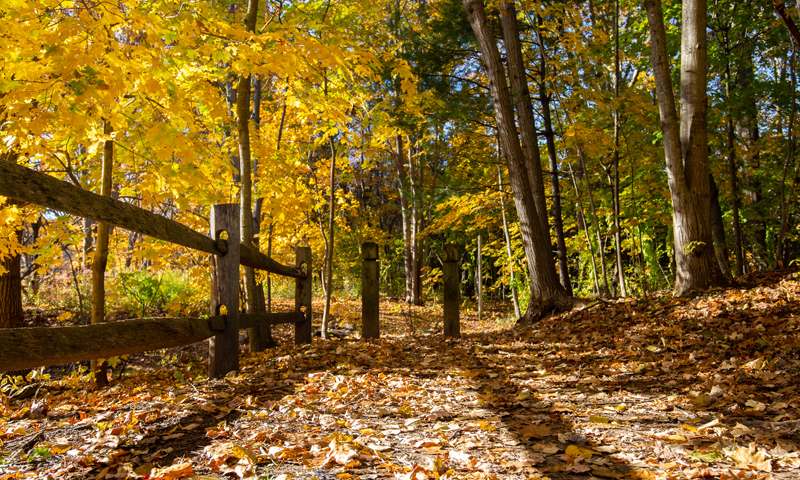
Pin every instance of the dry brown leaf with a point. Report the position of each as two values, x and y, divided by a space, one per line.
341 453
751 457
173 472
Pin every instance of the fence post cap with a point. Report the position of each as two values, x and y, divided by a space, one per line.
369 251
451 253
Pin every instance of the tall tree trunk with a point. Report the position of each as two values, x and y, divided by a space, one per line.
414 238
507 237
617 229
582 219
601 246
407 218
100 260
781 259
521 99
329 250
686 146
718 228
260 337
555 187
747 130
547 294
733 172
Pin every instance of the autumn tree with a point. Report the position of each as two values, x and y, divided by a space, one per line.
686 145
547 294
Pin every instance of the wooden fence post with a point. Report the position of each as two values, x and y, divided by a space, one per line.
370 321
452 291
223 349
302 296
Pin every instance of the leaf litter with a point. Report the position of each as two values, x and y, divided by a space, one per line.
641 388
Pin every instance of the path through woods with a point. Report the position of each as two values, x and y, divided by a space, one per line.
661 388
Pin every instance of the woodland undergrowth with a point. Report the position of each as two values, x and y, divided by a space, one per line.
645 388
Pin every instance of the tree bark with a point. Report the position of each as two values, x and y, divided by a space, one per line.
781 259
407 218
547 294
718 229
733 172
582 220
521 98
686 146
100 260
747 130
508 239
555 186
329 250
260 337
617 229
11 290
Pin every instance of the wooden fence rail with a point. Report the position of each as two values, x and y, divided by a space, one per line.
35 187
25 348
34 347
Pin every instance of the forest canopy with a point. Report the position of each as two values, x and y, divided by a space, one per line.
334 123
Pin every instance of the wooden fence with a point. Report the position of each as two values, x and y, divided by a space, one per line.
22 348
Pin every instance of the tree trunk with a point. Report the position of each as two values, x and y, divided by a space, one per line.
733 172
521 98
414 238
555 187
747 130
11 290
686 146
547 294
781 259
408 254
508 238
260 337
582 220
100 260
329 250
617 229
718 228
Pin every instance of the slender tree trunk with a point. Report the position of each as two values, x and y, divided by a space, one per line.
405 211
718 228
747 130
686 145
329 250
733 172
414 238
259 337
617 228
555 186
547 294
507 237
781 259
479 279
100 260
601 248
586 232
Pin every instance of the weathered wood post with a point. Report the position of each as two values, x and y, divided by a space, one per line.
302 296
370 322
223 349
452 291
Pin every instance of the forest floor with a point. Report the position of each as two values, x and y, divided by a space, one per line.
641 388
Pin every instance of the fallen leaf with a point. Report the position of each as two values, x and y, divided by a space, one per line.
172 472
751 457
